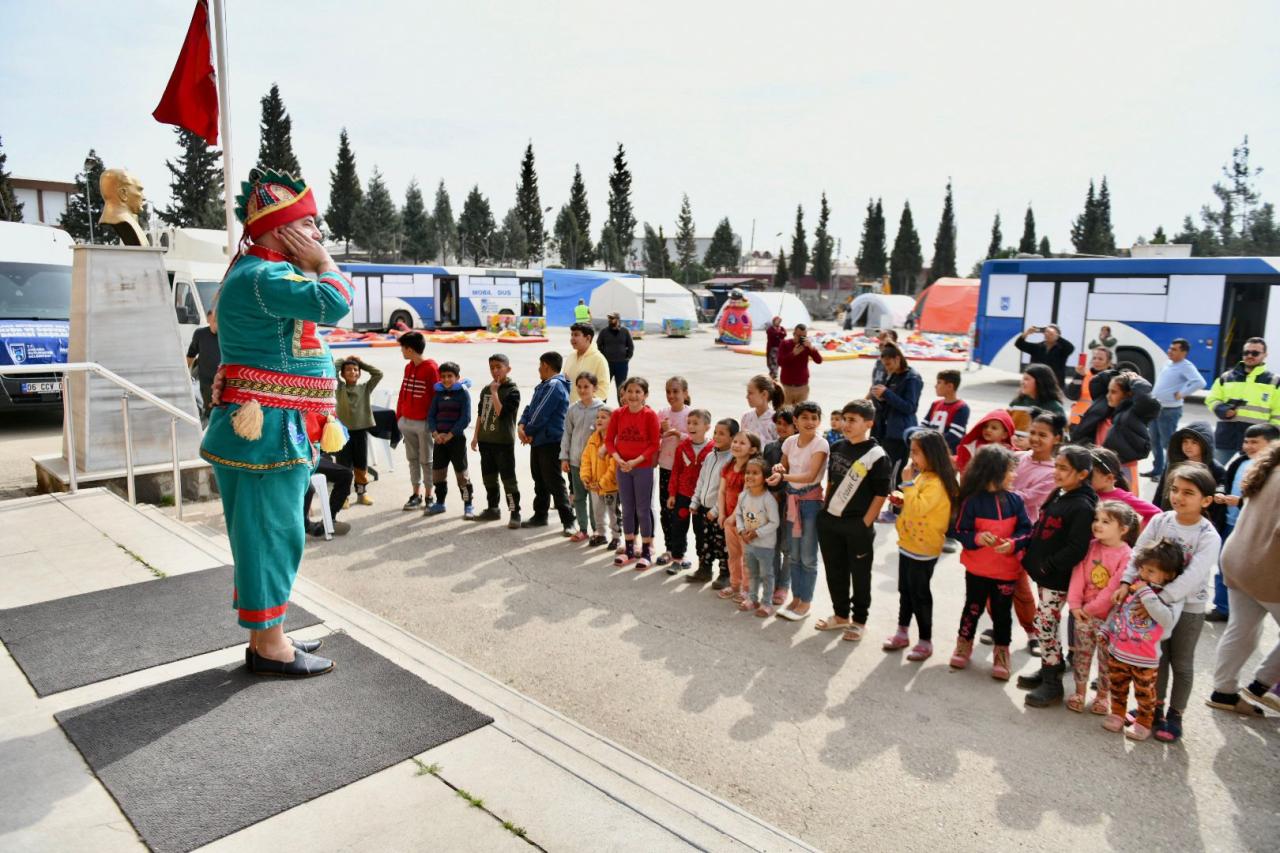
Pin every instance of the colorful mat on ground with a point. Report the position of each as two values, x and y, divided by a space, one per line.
917 346
346 339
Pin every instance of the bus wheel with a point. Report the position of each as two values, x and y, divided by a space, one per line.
400 317
1139 359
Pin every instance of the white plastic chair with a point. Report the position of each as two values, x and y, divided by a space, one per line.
384 444
321 485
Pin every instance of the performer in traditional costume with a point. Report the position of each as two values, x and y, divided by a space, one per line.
274 402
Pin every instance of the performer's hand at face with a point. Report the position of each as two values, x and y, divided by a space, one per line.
301 240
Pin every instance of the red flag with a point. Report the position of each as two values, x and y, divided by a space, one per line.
191 99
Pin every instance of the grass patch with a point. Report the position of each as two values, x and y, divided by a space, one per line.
476 802
426 769
143 562
517 831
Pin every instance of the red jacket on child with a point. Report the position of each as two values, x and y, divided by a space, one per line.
416 390
687 467
634 435
973 438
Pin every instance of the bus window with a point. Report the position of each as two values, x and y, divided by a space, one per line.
447 303
531 297
1245 315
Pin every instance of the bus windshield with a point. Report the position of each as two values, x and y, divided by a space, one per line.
208 290
35 291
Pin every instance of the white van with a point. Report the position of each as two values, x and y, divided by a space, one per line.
35 311
196 259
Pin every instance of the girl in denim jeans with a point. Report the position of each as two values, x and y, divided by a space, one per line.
804 458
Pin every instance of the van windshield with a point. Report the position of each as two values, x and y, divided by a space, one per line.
208 290
35 291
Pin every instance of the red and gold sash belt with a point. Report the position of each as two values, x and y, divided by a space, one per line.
239 384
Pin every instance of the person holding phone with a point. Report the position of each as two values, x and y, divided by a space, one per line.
1052 352
793 362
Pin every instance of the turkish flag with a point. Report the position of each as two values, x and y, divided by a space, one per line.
191 99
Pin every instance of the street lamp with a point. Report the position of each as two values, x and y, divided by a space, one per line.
88 195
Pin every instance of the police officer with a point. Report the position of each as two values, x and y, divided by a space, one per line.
1244 395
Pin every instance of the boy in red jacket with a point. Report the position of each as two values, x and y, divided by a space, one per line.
684 479
416 390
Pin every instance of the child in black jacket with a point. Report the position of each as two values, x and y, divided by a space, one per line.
1057 543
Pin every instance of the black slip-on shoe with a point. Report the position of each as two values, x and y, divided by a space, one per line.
308 646
535 521
303 665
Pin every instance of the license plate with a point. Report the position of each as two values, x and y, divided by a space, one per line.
41 387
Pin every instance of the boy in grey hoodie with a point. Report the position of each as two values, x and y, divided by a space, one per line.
579 423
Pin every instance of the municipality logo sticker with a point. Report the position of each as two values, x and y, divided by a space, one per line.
18 352
1005 303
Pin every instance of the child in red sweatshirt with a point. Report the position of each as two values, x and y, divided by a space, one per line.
995 428
633 438
684 479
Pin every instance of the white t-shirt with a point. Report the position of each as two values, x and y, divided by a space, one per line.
761 425
799 459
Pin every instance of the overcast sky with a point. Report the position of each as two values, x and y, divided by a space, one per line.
749 107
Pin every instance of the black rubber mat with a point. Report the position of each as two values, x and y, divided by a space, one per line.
200 757
73 641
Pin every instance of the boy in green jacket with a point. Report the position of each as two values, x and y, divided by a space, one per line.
355 411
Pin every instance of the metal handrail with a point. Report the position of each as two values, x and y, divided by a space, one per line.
68 422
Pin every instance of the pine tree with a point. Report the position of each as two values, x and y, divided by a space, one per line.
622 218
1159 238
873 254
195 185
609 248
1027 245
822 244
419 231
994 248
445 226
686 241
377 225
475 228
799 248
1091 232
1106 240
529 209
906 261
567 236
512 240
275 150
345 194
1045 251
725 251
657 260
75 219
944 244
10 207
578 206
780 274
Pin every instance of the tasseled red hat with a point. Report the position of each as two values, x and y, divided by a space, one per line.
270 199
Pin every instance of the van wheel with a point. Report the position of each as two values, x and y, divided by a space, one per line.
400 317
1139 359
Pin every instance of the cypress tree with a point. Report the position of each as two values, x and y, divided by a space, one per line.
1106 239
75 219
822 244
566 238
686 241
419 232
585 251
657 260
1045 251
512 240
725 250
445 227
529 209
609 248
906 261
1159 238
622 218
275 150
345 194
944 244
780 274
1027 245
872 257
475 228
10 207
799 248
377 226
1084 230
195 185
994 248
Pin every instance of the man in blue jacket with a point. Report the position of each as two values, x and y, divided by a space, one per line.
541 427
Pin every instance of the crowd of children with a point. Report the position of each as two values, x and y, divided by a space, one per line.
767 492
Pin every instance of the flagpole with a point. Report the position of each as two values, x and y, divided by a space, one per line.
224 122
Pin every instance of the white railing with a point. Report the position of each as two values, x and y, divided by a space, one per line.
127 389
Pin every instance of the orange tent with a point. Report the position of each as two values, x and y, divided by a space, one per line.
948 305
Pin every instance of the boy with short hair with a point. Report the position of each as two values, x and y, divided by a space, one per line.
683 481
541 427
1257 441
355 411
416 390
447 419
495 438
948 414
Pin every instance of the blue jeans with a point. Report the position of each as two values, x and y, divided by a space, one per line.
782 558
1162 430
759 573
804 552
1220 584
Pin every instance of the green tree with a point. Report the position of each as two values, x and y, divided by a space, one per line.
873 254
476 228
345 194
10 207
799 248
568 238
1027 244
944 244
610 251
1106 235
75 219
529 209
995 248
906 262
622 220
445 226
657 260
511 243
195 185
1091 232
1045 251
1159 238
822 244
581 211
781 273
686 242
419 231
275 149
725 251
377 227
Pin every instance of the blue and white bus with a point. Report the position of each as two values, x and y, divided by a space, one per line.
434 297
1215 303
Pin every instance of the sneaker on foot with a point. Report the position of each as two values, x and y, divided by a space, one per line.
365 500
468 513
436 508
414 502
721 581
596 541
514 523
700 576
535 521
490 514
663 558
987 637
567 531
615 545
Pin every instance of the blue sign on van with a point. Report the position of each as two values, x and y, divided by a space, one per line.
33 341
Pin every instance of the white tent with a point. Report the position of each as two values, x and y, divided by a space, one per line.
650 299
763 307
879 311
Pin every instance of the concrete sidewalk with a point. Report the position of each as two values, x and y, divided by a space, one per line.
543 779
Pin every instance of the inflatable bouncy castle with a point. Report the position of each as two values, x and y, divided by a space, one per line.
735 320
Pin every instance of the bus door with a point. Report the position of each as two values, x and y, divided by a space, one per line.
447 301
531 297
366 307
1061 302
1244 316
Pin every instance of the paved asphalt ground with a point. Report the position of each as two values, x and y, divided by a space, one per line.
838 742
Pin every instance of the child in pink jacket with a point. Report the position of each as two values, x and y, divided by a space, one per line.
1095 579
